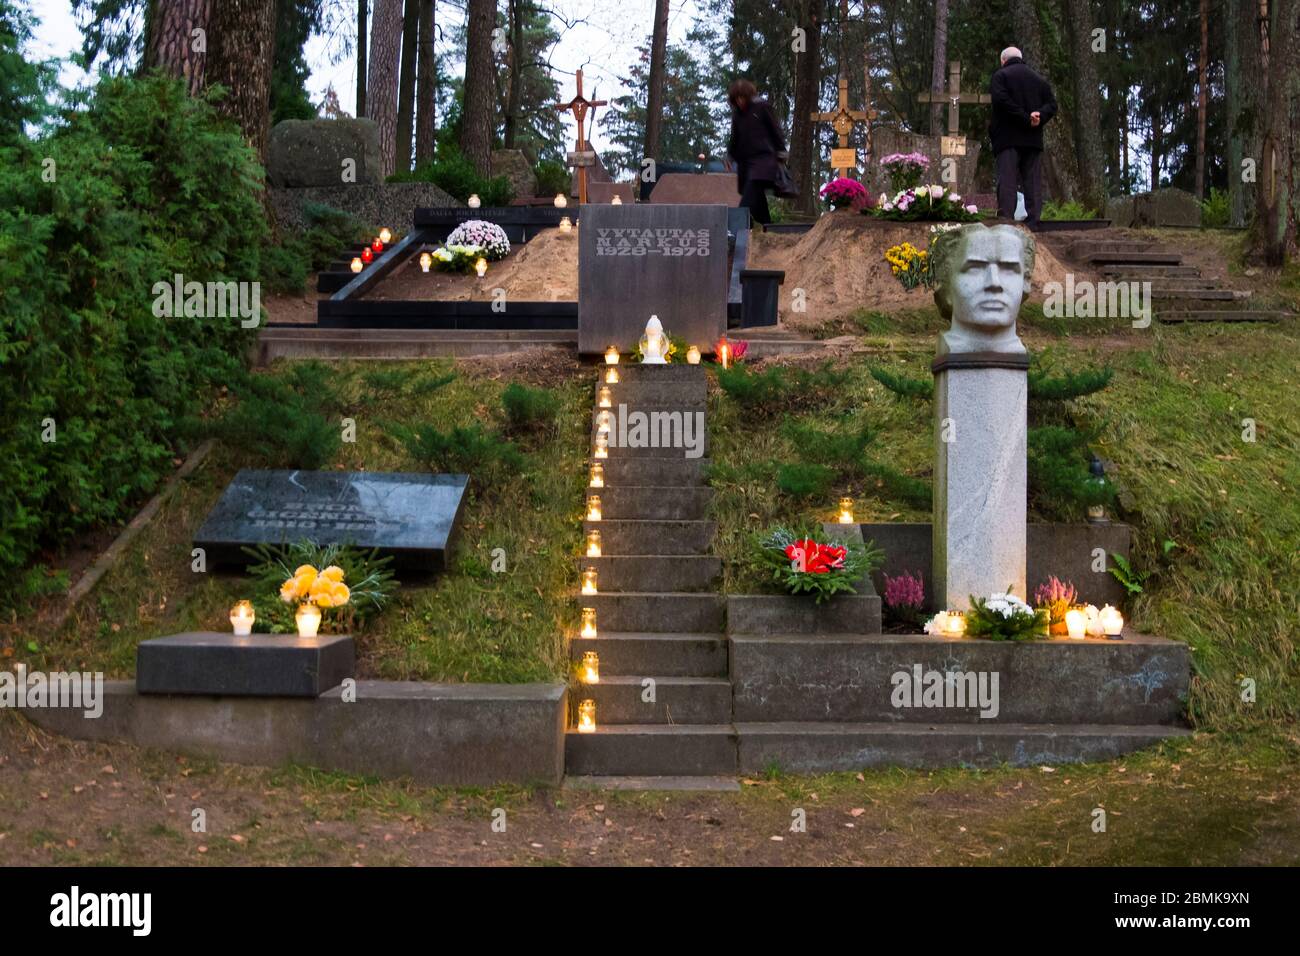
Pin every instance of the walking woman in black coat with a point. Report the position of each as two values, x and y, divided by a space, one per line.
756 146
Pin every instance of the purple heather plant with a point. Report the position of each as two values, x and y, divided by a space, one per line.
905 595
1057 597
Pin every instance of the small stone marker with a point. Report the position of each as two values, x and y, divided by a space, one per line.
411 516
651 259
980 400
259 665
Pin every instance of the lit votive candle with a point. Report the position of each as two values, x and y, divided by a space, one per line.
242 617
1112 621
588 622
611 356
606 399
593 544
357 264
846 510
604 422
473 201
308 620
597 478
593 507
590 667
589 581
561 200
693 355
481 268
602 446
385 236
1076 623
616 201
587 717
426 261
956 624
611 375
566 225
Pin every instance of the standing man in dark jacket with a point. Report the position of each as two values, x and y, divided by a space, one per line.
756 146
1022 105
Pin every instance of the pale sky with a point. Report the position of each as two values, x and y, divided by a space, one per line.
603 41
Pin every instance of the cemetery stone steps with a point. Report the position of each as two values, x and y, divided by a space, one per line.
1179 292
663 701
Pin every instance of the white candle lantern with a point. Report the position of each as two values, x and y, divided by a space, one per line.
587 717
1112 621
606 398
611 356
385 236
481 268
426 260
1076 623
566 225
473 202
846 510
588 622
561 200
590 667
693 355
357 264
242 617
602 446
593 507
955 625
593 544
597 479
308 620
611 375
589 581
616 201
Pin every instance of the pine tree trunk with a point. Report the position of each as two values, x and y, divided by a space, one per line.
381 82
478 120
425 87
361 58
241 46
655 95
1273 193
1060 166
939 66
514 92
406 86
1087 107
1202 72
1241 73
806 83
170 43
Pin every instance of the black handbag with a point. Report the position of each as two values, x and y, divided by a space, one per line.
784 185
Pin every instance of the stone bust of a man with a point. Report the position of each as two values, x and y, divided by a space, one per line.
981 276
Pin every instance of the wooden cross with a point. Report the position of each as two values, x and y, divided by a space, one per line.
579 106
954 97
843 121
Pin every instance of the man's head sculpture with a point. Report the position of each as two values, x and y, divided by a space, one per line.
981 276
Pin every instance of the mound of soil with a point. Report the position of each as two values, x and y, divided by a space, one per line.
544 269
840 264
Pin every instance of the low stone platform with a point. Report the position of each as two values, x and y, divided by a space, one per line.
855 678
828 747
436 734
260 665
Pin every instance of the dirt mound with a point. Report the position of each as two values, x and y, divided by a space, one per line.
544 269
840 264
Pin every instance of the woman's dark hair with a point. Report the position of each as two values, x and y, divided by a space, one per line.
741 89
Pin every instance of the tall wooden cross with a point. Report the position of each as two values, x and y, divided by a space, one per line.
954 97
579 158
843 121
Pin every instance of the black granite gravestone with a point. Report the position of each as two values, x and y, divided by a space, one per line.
635 261
411 516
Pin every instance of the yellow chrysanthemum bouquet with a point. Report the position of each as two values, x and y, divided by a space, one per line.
342 585
910 265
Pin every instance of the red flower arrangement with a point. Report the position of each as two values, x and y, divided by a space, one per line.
814 558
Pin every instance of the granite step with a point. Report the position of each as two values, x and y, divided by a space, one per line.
1198 295
829 747
677 700
699 449
1080 248
668 433
646 537
652 503
694 394
1173 316
1149 272
659 750
1133 258
1176 282
665 655
723 784
663 472
670 612
675 372
671 572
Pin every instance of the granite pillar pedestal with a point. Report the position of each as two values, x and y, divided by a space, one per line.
980 509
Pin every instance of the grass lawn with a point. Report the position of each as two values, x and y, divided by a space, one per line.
470 624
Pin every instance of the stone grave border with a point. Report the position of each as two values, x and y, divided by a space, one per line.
346 309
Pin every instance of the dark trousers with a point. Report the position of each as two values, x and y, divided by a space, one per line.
1022 167
754 198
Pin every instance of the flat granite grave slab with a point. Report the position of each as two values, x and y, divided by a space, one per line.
259 665
635 261
412 517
